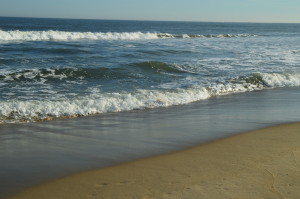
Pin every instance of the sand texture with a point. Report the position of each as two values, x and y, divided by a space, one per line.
259 164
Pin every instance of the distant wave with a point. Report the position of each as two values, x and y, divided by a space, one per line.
43 74
13 111
28 75
159 67
52 35
162 35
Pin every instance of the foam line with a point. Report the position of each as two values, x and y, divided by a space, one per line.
33 110
52 35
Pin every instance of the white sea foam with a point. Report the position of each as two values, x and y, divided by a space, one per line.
97 102
62 35
281 80
52 35
37 73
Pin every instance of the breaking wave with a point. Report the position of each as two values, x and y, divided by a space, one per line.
52 35
13 111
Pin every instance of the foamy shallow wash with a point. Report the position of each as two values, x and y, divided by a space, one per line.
31 110
68 68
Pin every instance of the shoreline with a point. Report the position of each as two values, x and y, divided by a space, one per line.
145 90
263 163
34 153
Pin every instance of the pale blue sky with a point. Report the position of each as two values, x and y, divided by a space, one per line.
175 10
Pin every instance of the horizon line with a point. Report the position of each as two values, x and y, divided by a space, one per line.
151 20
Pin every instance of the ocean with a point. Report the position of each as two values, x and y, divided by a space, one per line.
116 91
65 68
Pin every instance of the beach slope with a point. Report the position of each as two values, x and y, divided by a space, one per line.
259 164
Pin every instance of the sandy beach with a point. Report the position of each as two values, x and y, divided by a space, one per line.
34 153
264 163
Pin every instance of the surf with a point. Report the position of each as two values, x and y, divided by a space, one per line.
54 35
16 111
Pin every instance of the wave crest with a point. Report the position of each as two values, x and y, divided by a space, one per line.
159 67
65 73
82 73
52 35
270 80
34 110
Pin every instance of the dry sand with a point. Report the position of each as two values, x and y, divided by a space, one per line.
259 164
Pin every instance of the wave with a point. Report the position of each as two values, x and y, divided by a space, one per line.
162 35
159 67
51 35
13 111
82 73
269 80
64 74
294 51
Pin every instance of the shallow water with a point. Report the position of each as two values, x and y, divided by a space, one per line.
34 152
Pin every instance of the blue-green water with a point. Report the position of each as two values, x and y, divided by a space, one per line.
55 68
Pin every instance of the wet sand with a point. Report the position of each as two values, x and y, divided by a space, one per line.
35 153
259 164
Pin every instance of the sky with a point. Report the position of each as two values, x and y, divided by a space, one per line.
283 11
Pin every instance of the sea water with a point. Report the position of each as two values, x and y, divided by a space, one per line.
57 68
